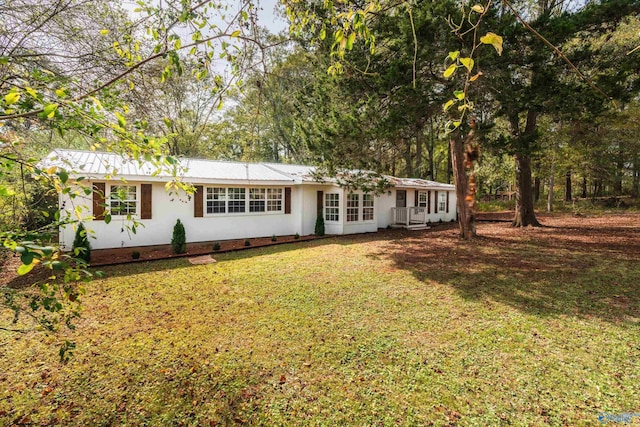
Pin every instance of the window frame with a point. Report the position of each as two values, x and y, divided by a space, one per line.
423 203
368 209
256 200
136 200
353 207
332 211
442 201
277 201
238 202
214 201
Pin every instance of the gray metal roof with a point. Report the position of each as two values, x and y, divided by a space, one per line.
98 164
418 183
94 164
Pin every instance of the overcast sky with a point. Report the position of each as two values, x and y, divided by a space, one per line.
269 18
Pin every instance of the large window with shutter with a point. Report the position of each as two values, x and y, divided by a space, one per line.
216 200
442 201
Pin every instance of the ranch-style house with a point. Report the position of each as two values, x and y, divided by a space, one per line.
233 200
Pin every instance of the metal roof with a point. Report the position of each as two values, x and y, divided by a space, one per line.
95 164
99 164
418 183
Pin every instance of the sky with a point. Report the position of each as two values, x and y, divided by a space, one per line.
268 17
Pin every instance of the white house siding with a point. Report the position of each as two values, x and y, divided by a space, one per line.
441 215
384 203
167 209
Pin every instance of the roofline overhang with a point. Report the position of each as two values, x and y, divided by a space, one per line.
189 180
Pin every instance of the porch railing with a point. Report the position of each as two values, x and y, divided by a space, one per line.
410 215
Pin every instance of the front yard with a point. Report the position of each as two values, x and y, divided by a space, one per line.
520 327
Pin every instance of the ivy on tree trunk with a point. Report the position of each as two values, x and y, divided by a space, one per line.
466 214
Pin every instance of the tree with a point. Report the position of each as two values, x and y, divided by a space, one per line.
527 81
81 244
179 239
72 67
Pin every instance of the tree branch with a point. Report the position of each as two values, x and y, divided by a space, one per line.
556 50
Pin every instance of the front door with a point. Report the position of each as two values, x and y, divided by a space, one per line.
401 199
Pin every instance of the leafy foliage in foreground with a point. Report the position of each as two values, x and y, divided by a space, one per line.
384 329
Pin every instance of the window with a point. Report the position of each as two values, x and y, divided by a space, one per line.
332 207
442 202
236 197
216 200
367 207
353 200
422 199
220 200
257 201
274 199
123 200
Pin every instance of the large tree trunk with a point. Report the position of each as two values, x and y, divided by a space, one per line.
584 186
525 214
466 215
567 188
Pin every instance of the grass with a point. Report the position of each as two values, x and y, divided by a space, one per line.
533 327
610 204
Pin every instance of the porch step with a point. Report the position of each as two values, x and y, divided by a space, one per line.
417 227
411 226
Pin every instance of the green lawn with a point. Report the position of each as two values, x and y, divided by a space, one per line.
531 327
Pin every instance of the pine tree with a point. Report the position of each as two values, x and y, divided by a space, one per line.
179 240
81 245
319 230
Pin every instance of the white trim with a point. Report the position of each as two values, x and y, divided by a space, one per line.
325 207
107 199
247 200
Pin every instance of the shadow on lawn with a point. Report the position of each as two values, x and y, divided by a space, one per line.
120 270
584 272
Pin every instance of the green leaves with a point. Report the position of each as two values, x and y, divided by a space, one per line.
6 191
25 268
121 120
457 62
350 40
11 98
448 104
450 70
467 62
494 40
49 110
